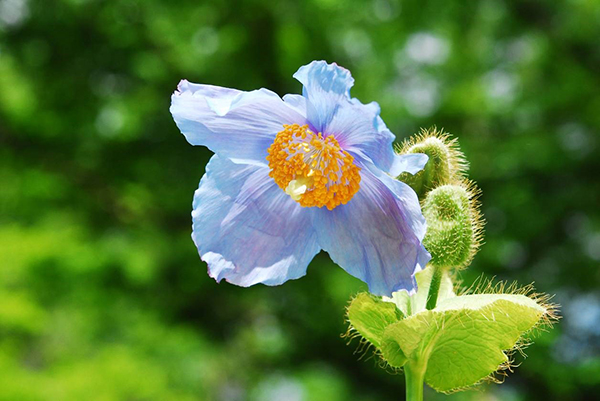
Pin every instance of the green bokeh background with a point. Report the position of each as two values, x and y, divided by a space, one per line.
102 293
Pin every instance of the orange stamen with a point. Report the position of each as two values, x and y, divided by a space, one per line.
313 170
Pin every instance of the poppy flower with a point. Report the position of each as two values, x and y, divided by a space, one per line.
296 175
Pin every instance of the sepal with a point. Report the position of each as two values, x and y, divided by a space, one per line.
454 224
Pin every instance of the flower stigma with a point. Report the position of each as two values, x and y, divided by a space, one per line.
313 170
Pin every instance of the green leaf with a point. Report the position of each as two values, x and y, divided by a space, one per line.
463 339
369 315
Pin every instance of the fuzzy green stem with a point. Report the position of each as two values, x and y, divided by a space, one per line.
414 375
434 287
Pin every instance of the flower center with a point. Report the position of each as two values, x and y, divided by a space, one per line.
312 170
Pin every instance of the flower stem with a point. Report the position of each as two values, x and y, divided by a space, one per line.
414 375
434 287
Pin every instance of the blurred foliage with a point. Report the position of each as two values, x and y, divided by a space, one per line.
102 294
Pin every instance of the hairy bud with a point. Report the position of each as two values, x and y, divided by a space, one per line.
454 224
446 162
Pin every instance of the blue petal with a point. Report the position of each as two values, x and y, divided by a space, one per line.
324 87
297 102
236 124
411 163
359 130
330 110
247 229
377 236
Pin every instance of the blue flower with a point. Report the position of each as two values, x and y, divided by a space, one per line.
296 175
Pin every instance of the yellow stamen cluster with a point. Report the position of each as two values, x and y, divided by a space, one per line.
311 169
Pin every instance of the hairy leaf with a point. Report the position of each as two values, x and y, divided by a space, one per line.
370 316
464 338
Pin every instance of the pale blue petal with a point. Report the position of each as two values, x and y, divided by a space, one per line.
247 229
236 124
411 206
324 87
359 130
358 127
411 163
377 236
297 102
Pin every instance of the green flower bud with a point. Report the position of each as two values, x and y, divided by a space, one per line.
446 162
454 224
